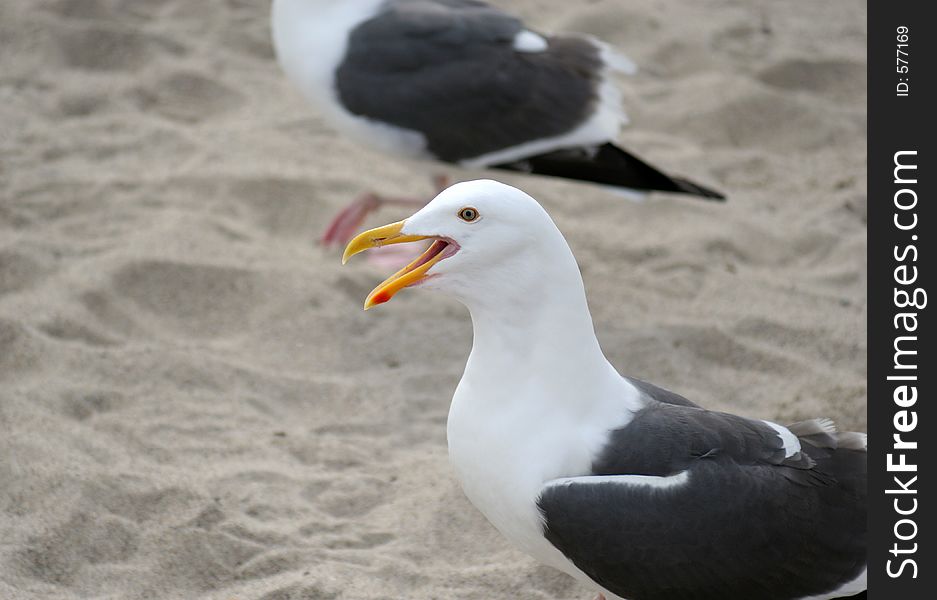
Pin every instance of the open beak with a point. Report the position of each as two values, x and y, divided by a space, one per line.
410 275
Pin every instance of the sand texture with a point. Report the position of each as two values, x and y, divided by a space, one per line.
192 402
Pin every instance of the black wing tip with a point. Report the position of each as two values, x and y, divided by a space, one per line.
608 164
694 189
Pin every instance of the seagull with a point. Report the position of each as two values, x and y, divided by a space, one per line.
622 484
461 82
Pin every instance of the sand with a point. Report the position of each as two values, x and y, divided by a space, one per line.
194 405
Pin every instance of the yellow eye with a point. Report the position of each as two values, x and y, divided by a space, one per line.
468 214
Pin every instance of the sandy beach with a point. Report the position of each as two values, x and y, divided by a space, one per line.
193 404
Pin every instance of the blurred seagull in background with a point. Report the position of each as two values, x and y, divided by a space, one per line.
461 82
626 486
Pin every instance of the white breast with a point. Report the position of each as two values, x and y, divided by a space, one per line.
502 479
503 457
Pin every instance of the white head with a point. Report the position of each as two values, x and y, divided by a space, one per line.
494 246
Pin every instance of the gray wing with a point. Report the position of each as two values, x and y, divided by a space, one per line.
449 70
651 391
667 438
743 520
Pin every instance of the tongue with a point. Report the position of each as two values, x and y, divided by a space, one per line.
437 247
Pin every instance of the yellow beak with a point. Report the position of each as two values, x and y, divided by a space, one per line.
405 277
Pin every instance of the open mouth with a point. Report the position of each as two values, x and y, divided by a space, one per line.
440 249
414 273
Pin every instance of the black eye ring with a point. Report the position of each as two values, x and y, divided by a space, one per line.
468 214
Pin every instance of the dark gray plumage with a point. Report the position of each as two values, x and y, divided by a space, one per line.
749 523
474 93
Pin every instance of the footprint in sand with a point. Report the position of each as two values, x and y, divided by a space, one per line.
82 104
253 42
202 560
82 9
271 564
824 348
285 207
365 541
194 299
17 271
20 349
82 405
354 497
96 48
103 10
85 539
67 330
744 40
187 96
743 122
838 80
715 347
299 591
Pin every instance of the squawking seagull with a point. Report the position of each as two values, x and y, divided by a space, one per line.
617 482
459 81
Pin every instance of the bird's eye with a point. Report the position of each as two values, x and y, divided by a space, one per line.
468 214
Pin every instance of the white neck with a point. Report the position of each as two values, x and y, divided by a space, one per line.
542 337
548 337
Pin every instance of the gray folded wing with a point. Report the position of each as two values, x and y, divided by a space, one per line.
449 69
